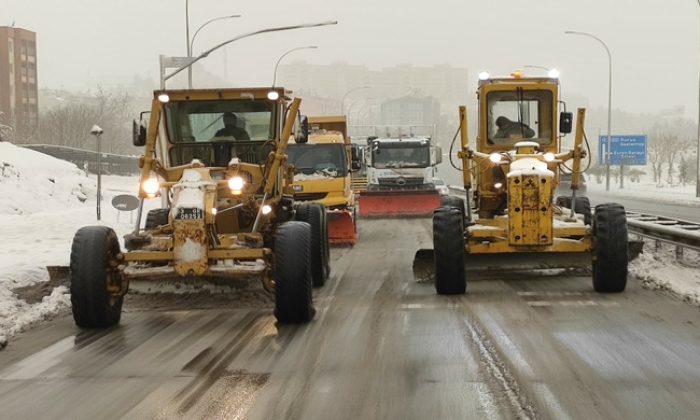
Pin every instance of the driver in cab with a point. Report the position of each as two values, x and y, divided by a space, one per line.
231 129
512 129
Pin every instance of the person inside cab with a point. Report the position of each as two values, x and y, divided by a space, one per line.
231 128
512 129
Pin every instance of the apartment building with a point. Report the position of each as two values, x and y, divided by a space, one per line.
19 105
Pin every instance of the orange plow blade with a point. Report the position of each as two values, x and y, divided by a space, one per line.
398 204
341 228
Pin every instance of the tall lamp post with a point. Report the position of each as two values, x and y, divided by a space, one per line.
607 149
246 35
274 76
342 100
697 179
191 42
97 132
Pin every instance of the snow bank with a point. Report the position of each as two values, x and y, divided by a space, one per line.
660 271
32 181
38 219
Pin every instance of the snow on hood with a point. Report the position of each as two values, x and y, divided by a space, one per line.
318 175
529 166
32 182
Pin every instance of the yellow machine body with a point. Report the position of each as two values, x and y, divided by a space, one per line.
211 229
317 180
515 172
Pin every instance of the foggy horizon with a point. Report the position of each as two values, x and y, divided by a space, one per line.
654 47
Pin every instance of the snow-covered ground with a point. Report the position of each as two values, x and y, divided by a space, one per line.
44 201
648 190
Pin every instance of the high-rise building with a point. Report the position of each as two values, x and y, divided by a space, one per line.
19 105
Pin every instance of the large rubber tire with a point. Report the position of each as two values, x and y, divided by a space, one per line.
156 217
583 206
315 216
610 255
448 242
93 307
293 287
452 201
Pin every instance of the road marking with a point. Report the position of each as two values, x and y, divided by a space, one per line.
554 294
449 305
572 303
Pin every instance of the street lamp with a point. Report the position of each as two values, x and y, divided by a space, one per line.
97 132
607 150
342 100
249 34
697 179
274 76
191 42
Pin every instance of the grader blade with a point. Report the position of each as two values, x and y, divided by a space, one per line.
424 262
398 203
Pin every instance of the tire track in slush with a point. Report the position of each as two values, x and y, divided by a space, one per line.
498 371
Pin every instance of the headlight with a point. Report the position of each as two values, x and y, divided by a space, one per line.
495 157
266 209
549 157
236 184
164 98
273 95
151 186
484 75
497 185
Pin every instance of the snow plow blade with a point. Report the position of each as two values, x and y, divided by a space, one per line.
424 261
398 204
341 228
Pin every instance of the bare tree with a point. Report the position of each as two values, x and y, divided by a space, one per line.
69 125
655 150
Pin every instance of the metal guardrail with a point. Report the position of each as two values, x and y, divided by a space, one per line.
111 163
676 232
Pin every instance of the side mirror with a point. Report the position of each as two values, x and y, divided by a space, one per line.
437 154
138 133
138 130
566 121
355 159
302 135
370 139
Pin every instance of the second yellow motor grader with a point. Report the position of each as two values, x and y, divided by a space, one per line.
511 210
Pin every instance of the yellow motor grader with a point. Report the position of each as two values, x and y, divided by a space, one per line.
217 159
512 211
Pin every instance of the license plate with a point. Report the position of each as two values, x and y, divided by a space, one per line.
190 214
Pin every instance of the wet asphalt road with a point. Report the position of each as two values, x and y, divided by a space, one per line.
382 346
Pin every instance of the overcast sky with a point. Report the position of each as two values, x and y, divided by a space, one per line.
655 44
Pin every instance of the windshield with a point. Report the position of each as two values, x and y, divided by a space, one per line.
318 159
207 121
214 131
401 155
517 115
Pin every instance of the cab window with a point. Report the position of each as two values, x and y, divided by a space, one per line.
519 115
